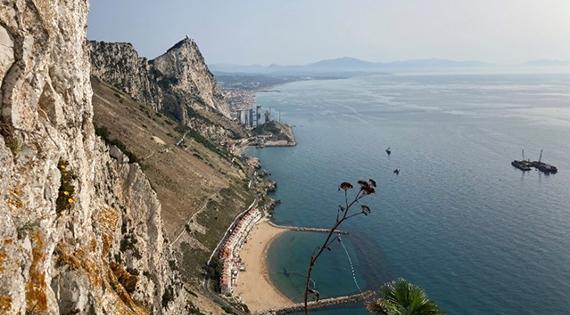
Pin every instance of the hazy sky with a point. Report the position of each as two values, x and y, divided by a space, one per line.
303 31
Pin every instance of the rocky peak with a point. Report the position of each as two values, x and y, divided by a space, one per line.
177 82
183 72
185 43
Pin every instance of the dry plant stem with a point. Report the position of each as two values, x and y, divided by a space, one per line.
342 215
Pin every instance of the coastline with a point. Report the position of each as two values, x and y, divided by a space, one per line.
244 254
254 285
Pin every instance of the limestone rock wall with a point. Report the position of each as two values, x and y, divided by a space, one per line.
120 65
80 230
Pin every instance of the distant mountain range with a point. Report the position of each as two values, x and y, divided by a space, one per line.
354 65
547 63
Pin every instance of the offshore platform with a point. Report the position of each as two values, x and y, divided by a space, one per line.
526 165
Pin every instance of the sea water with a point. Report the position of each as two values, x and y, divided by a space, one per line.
480 236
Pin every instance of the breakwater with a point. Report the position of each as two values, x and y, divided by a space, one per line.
346 299
306 229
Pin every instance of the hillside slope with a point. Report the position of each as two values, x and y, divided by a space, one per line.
200 185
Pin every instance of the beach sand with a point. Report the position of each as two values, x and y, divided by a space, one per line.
253 285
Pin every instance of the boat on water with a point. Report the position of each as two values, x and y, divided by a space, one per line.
545 168
522 165
526 165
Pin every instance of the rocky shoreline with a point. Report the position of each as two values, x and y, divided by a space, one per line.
274 134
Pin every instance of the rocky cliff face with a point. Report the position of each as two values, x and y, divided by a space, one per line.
80 227
183 75
177 82
120 65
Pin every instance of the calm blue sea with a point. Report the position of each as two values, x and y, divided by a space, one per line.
480 236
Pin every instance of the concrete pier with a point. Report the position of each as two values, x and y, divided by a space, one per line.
347 299
306 229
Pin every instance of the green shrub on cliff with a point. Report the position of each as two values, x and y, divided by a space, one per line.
103 132
66 195
214 271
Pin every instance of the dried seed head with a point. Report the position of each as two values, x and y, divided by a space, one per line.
345 186
368 190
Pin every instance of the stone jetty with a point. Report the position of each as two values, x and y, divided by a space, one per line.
306 229
346 299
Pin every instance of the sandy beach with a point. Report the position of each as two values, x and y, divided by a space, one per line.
253 285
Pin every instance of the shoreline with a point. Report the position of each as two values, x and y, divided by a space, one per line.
253 285
244 256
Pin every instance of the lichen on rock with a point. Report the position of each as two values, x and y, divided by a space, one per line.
63 199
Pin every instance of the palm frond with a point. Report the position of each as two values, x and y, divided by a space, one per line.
401 297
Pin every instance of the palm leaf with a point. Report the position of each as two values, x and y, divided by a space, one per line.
403 298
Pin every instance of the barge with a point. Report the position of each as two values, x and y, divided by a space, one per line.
526 165
545 168
522 165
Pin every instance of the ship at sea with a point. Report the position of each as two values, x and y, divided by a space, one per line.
527 165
